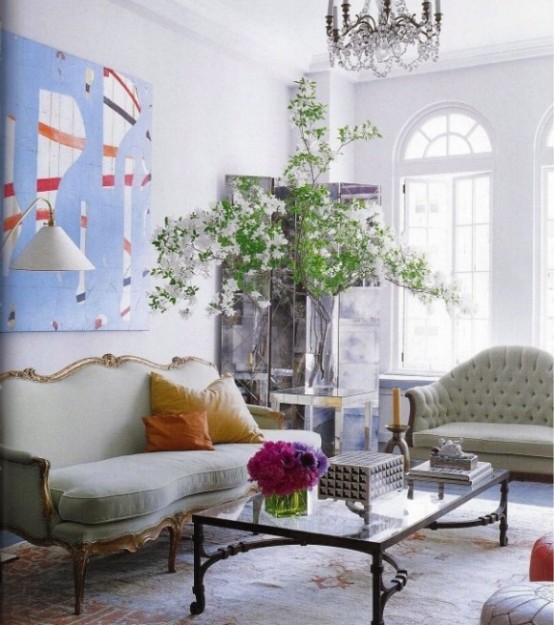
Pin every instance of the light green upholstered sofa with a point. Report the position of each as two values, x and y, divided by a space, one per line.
500 403
74 470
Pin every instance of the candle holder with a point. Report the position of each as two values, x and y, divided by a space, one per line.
398 440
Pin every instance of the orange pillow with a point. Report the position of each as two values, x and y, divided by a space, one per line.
178 432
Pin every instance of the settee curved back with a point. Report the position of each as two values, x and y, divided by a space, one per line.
504 384
95 405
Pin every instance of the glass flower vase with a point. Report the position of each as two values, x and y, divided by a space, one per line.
280 506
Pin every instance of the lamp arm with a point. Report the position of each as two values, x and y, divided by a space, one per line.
24 215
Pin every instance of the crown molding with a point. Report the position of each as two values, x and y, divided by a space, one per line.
282 60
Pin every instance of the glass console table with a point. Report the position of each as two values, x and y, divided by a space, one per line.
329 397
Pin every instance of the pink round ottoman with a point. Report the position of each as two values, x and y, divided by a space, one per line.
528 603
541 566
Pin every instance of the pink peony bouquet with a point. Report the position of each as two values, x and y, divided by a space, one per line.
281 468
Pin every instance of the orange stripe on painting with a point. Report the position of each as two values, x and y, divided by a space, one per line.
84 221
127 246
110 150
64 138
11 222
48 184
108 71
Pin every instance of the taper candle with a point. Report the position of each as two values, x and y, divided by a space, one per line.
396 406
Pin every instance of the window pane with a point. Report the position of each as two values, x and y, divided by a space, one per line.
416 193
482 199
461 124
479 140
416 146
463 247
457 145
435 126
464 201
437 147
482 246
481 295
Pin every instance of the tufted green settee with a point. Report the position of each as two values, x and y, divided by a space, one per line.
500 403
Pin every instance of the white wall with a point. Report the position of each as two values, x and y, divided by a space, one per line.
214 113
513 98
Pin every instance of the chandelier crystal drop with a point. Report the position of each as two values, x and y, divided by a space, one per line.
364 42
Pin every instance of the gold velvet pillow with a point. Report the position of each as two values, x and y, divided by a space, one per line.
229 420
177 432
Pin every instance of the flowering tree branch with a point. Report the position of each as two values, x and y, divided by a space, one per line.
331 246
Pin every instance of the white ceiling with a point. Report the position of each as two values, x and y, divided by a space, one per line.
290 34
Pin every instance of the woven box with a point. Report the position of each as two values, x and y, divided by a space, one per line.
362 476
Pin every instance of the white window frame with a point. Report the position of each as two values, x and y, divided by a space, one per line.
544 163
451 166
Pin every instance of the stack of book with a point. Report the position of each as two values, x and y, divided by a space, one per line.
453 475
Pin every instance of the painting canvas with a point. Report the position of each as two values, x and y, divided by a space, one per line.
79 135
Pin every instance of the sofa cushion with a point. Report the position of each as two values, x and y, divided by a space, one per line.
229 420
178 432
492 438
129 486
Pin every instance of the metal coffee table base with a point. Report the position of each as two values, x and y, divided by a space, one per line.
381 590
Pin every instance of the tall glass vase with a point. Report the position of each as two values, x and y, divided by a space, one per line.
280 506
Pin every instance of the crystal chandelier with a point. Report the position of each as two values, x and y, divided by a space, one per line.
375 43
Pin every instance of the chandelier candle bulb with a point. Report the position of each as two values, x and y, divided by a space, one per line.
437 6
330 9
396 406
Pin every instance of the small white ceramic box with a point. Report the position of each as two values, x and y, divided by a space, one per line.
362 476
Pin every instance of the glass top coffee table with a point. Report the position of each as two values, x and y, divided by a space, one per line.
388 520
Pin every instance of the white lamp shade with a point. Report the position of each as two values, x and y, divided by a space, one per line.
51 249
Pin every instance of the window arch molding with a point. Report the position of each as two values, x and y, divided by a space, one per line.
453 162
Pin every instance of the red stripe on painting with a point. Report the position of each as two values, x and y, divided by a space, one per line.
48 184
128 180
127 246
108 180
123 84
42 214
146 180
84 221
125 311
9 189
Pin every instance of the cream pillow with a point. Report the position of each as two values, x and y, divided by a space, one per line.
229 420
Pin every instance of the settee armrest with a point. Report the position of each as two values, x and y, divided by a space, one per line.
266 418
28 509
428 408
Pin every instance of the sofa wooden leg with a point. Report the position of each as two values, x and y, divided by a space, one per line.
175 532
80 557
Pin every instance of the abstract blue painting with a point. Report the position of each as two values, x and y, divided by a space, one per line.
79 135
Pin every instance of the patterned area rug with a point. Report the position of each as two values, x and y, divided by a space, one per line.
451 574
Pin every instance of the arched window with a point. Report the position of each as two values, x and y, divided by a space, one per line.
545 231
444 172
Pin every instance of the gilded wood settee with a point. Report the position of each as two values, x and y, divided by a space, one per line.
73 463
